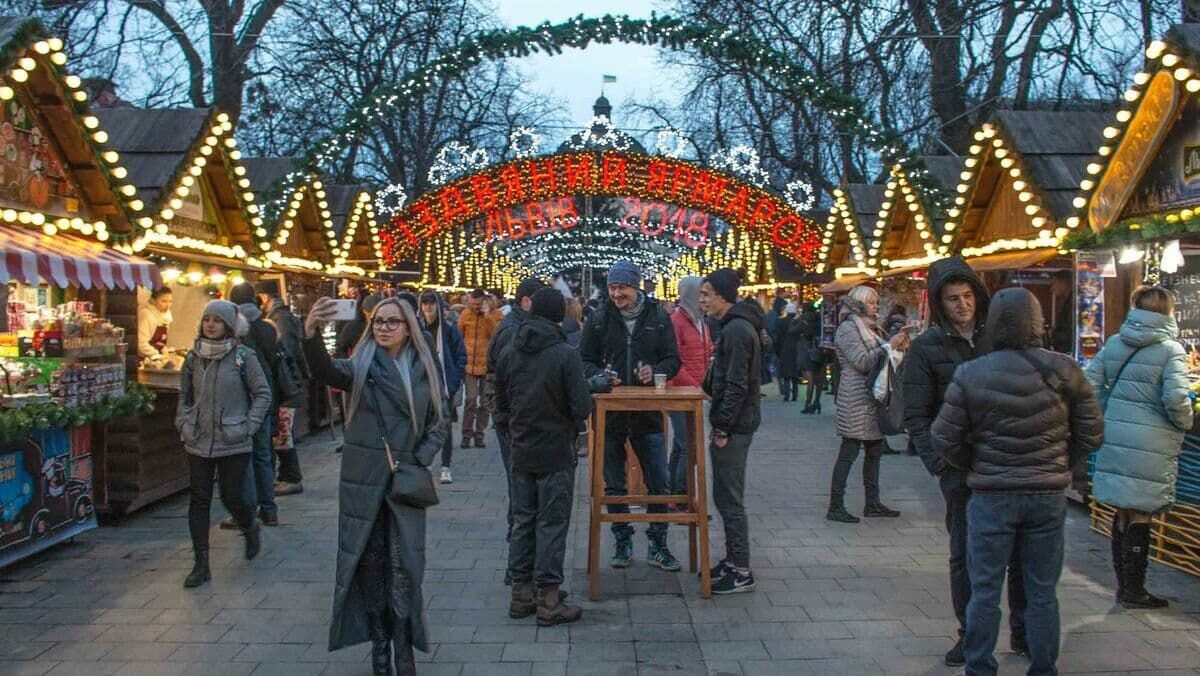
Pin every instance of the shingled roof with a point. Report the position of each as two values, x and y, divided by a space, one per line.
1055 147
266 174
153 143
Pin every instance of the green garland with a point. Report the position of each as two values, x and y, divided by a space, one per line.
19 423
717 42
1123 232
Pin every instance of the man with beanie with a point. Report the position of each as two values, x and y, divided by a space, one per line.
541 393
452 357
259 487
734 414
631 337
477 327
292 366
958 310
500 341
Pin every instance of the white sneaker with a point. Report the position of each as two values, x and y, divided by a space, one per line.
446 478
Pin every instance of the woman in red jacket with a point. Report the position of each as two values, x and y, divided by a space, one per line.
694 340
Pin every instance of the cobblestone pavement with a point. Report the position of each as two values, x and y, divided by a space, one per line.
832 598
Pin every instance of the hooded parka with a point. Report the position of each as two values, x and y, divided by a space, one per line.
1147 413
365 480
857 354
736 380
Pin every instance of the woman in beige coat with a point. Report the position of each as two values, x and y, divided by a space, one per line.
860 346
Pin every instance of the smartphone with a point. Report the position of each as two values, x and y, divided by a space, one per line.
913 329
346 309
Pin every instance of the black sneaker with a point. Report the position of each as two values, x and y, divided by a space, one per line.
734 582
955 657
718 570
1019 644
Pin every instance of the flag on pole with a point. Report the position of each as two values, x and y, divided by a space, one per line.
608 79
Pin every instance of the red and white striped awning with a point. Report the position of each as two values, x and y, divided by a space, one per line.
65 260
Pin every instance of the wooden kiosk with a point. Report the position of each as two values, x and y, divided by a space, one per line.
689 400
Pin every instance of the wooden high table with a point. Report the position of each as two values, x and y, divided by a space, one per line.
689 400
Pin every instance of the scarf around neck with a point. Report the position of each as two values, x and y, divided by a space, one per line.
214 349
635 309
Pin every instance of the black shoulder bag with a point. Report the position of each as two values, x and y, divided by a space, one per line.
412 482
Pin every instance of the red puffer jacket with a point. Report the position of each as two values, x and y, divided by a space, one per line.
695 350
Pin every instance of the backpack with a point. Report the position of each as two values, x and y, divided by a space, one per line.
288 381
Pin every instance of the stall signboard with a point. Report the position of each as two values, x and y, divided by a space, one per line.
1089 306
1185 282
1172 180
45 491
31 173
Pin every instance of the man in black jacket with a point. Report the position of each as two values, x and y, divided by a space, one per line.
542 394
733 383
1015 421
260 479
631 337
290 333
958 309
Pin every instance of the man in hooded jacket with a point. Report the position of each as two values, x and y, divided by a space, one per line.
260 336
544 400
958 310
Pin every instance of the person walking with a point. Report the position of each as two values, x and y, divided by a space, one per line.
500 341
693 341
291 366
1016 420
397 414
224 398
772 323
477 325
811 358
787 350
958 310
633 337
1143 377
452 358
859 347
734 415
541 392
257 334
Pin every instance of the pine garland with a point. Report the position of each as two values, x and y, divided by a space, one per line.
1123 232
19 423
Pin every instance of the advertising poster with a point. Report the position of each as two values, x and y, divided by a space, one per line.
45 491
1089 299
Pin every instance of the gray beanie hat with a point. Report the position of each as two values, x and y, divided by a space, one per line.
223 309
625 272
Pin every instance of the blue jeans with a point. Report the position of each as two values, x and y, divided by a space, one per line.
259 488
677 465
1032 524
652 456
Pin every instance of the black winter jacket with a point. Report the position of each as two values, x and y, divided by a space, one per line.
291 334
502 337
734 376
542 394
262 339
931 359
607 341
1009 425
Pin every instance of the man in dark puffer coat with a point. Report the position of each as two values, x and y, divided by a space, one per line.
958 309
1016 420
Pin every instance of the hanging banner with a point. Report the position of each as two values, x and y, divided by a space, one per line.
1089 305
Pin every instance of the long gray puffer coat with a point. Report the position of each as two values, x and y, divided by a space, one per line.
856 407
1147 413
363 490
222 403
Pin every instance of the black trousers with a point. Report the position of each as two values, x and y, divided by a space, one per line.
204 473
846 457
541 512
728 492
386 587
954 489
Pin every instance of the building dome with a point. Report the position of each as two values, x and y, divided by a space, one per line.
603 135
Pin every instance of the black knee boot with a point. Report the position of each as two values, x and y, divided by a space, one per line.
1135 550
381 653
1117 555
199 574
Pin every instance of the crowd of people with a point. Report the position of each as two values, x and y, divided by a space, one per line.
999 421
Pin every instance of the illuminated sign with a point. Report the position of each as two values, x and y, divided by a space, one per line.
649 217
494 192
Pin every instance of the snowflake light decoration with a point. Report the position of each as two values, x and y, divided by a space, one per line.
742 160
800 195
390 200
524 142
456 159
600 132
671 143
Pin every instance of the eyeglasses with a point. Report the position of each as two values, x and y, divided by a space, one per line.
391 323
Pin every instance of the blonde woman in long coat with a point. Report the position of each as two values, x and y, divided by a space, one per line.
860 345
395 393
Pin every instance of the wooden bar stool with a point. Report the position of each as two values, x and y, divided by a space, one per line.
689 400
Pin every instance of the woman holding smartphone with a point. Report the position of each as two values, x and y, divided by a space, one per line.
396 414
